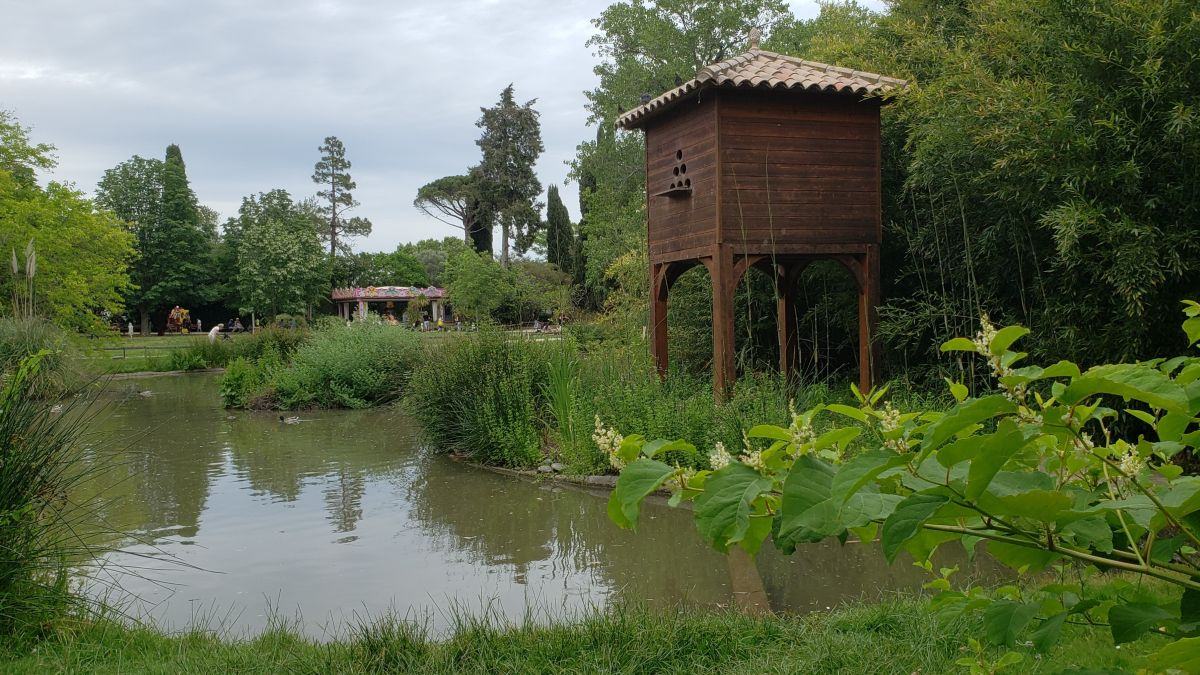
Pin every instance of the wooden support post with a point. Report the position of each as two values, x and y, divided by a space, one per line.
786 277
659 289
868 303
723 286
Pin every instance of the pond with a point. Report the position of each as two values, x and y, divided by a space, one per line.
232 518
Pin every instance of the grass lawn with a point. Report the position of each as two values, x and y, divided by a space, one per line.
896 636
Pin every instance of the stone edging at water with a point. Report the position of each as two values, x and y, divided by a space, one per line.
600 482
161 373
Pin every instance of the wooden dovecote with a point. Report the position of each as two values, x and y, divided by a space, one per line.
768 161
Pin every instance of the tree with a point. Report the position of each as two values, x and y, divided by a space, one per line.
560 233
133 191
82 251
281 264
332 173
176 259
18 155
478 284
453 200
398 268
644 47
511 144
433 254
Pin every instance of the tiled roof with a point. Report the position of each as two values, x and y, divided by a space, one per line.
766 70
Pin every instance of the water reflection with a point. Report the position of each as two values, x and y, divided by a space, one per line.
343 514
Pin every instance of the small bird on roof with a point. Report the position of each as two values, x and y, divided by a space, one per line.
646 98
678 81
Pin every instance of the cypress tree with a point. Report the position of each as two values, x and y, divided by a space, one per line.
560 237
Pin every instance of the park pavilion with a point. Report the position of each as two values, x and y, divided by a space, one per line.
390 300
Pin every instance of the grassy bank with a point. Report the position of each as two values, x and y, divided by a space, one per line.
896 636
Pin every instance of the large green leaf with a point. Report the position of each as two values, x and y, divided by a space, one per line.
637 480
769 431
1130 381
808 484
995 450
1132 621
723 509
1005 337
906 520
856 473
655 448
1003 620
865 507
1020 558
1047 634
1042 505
963 415
1092 532
1181 655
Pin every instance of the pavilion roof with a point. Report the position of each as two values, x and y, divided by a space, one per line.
387 293
759 69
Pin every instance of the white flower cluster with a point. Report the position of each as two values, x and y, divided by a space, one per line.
719 458
801 431
987 333
891 418
1131 464
754 460
609 441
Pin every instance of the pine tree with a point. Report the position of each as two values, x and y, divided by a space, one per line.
560 235
332 172
454 200
511 143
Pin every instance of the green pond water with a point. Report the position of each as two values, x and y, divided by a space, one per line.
229 519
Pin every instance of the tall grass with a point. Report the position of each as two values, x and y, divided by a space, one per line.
481 395
39 524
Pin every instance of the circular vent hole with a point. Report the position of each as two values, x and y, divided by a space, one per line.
683 168
672 186
676 171
678 154
687 183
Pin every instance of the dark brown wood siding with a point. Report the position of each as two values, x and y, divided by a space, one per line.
798 168
685 222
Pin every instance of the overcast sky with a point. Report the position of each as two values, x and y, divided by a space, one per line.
249 88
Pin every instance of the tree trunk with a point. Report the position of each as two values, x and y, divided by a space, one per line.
504 245
144 313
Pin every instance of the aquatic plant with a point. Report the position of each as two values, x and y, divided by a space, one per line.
39 524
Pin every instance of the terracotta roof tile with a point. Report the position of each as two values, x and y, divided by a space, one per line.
766 70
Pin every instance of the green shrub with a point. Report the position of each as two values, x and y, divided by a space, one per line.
242 380
354 366
480 395
186 359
